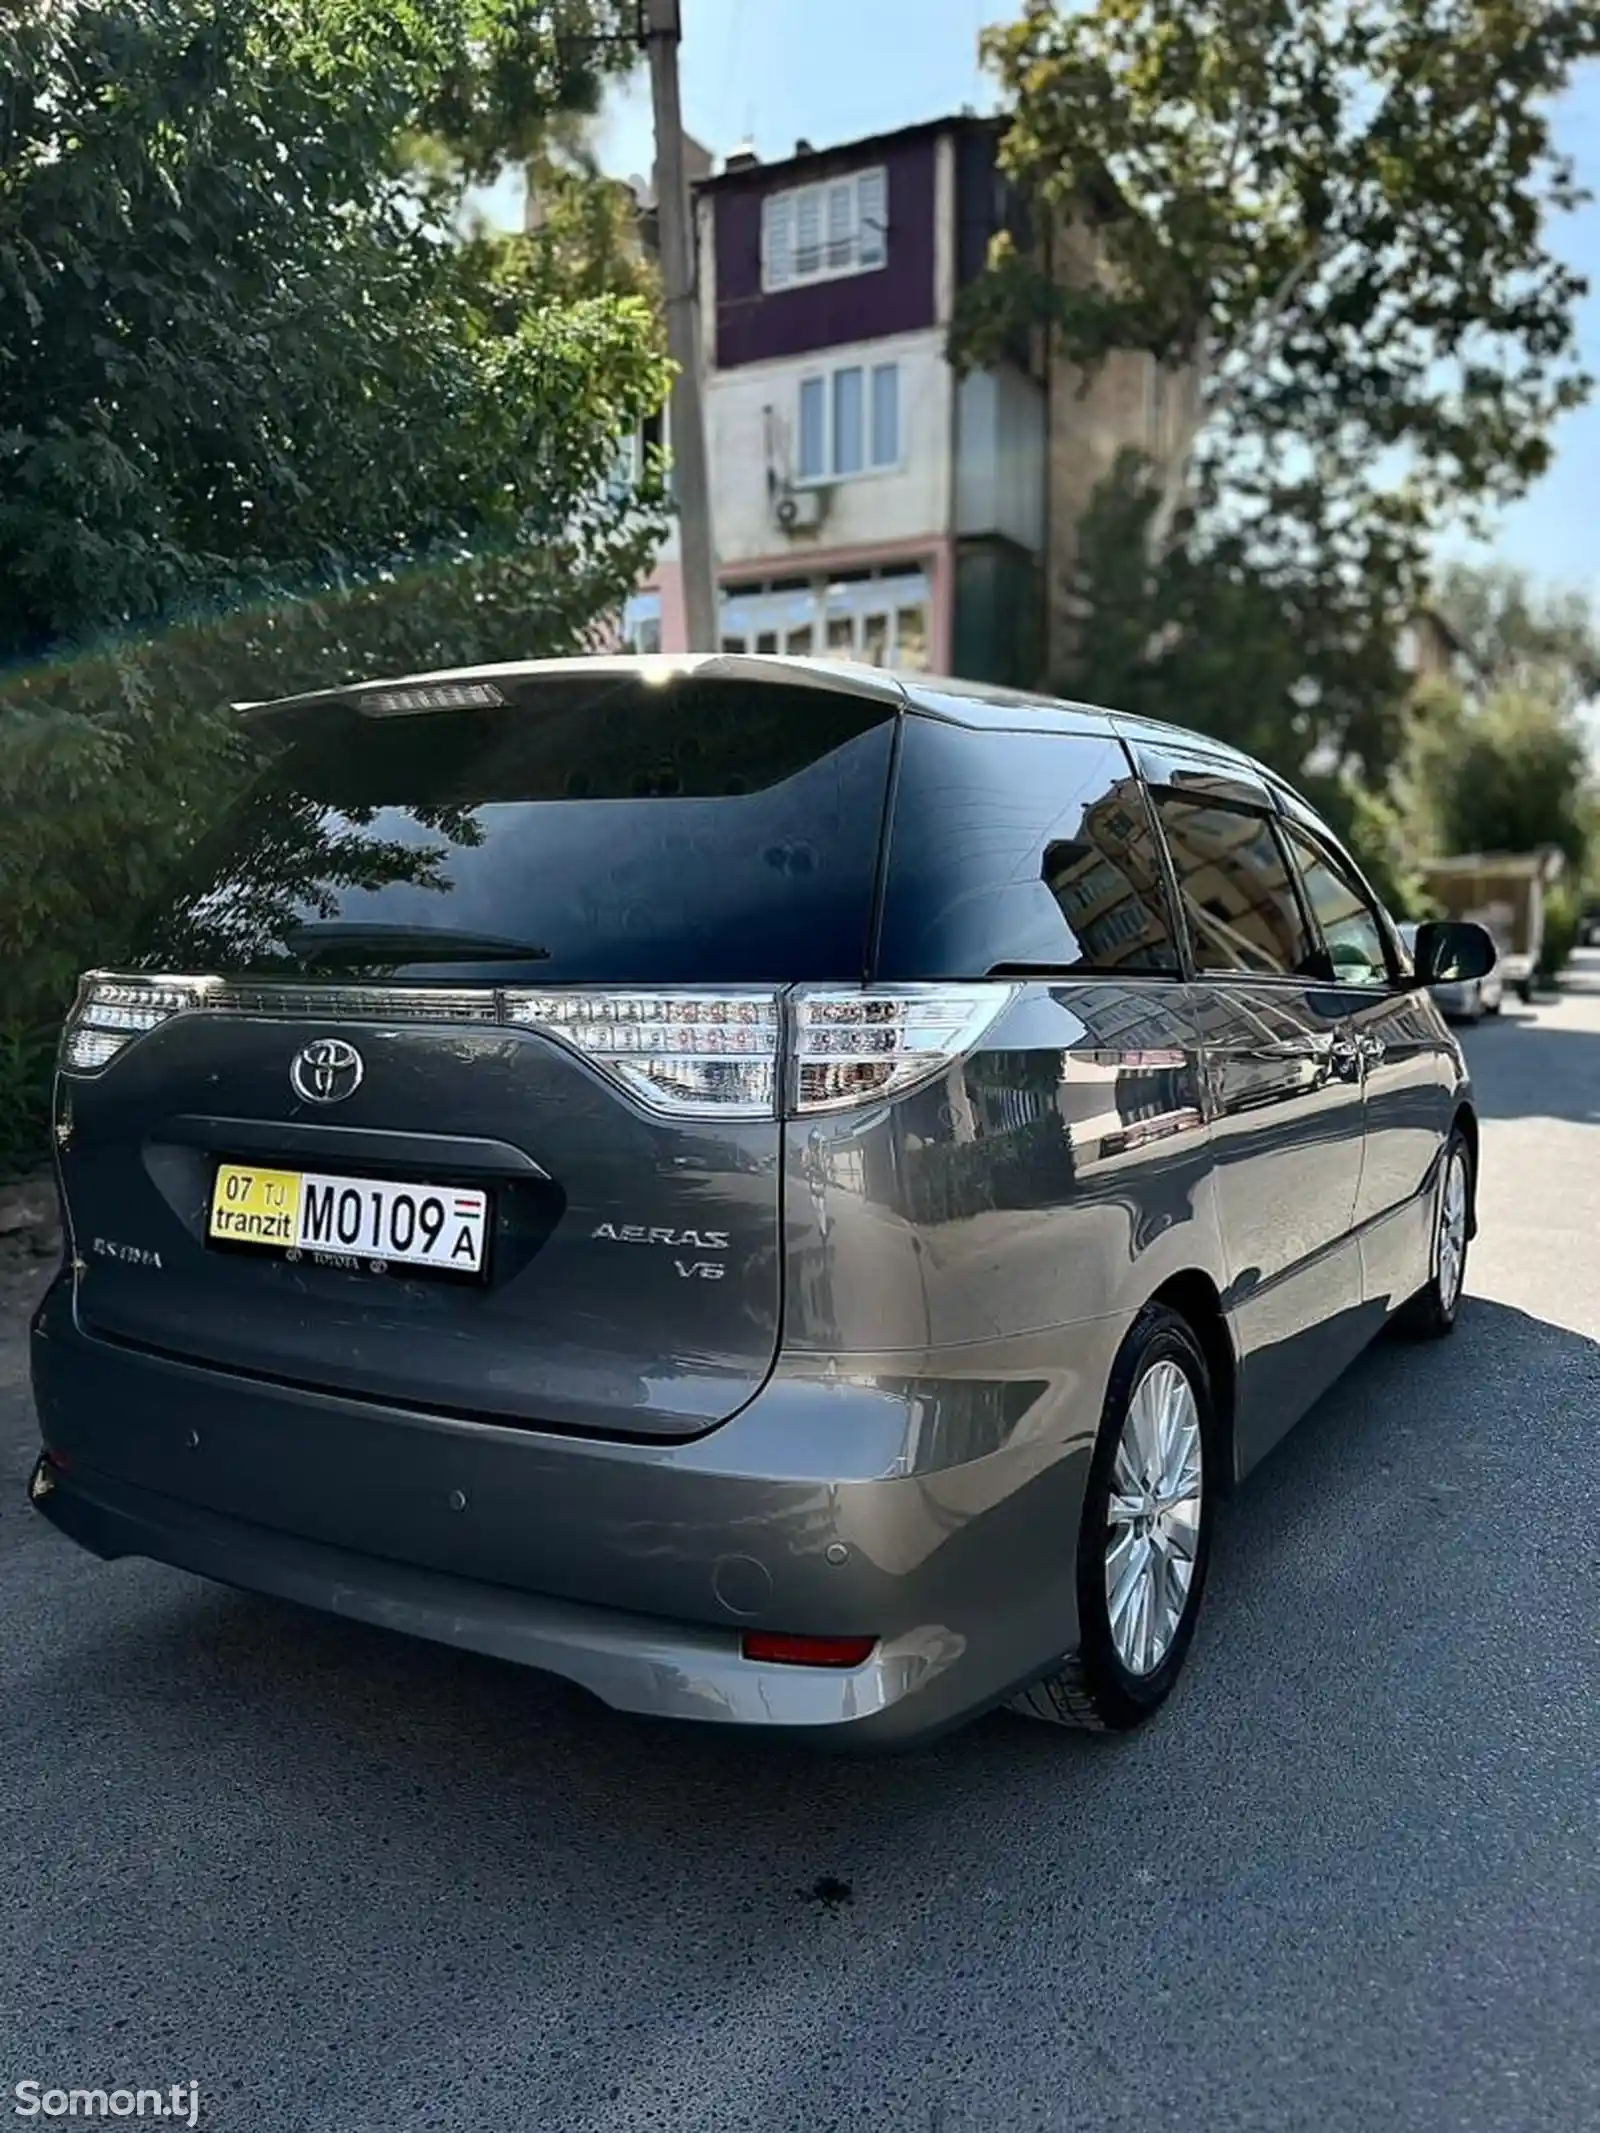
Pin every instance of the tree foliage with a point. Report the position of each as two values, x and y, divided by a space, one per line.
237 351
266 420
1330 219
1537 641
1517 778
1294 663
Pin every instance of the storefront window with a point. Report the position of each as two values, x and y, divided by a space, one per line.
881 617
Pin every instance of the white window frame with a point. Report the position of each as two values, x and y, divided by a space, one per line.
781 273
869 467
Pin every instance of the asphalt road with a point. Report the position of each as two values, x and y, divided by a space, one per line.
1350 1879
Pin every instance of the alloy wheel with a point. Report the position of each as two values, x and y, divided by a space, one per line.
1452 1229
1153 1518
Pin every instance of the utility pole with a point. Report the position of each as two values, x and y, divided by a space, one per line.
663 32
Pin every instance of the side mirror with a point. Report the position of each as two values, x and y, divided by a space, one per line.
1453 951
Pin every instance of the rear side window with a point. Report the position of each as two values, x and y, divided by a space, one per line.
1021 851
599 829
1240 905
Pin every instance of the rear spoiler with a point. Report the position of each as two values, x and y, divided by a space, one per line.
463 688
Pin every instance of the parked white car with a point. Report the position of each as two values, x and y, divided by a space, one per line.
1465 1002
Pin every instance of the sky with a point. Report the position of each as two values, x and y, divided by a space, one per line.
776 71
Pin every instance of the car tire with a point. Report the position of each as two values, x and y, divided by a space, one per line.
1110 1685
1431 1314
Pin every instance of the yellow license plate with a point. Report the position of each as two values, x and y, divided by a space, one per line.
383 1221
253 1206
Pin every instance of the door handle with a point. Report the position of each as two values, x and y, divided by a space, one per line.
1372 1048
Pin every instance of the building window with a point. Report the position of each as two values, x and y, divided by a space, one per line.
880 617
633 457
641 623
819 232
849 422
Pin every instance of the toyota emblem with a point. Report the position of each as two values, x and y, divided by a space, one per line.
326 1071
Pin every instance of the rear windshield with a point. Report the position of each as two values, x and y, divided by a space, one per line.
697 831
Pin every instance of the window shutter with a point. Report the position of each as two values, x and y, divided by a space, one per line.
872 218
807 231
777 262
841 224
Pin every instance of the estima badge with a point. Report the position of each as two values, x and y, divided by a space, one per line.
326 1071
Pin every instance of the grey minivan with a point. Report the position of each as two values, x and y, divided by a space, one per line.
780 1193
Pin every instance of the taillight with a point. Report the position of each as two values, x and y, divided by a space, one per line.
717 1055
695 1054
873 1041
110 1012
688 1054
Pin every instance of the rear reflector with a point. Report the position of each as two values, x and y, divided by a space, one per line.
773 1649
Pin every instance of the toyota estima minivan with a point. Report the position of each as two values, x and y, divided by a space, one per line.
779 1193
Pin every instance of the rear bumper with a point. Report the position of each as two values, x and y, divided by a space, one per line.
630 1570
631 1662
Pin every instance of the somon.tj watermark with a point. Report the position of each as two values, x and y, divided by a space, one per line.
178 2105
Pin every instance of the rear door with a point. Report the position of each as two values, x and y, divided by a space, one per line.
1408 1068
1285 1091
525 950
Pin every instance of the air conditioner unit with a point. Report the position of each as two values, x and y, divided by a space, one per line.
800 511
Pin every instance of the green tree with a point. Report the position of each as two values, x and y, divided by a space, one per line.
1330 221
1516 778
267 420
1538 641
239 349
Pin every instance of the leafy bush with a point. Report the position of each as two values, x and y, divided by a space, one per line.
1562 913
244 351
111 763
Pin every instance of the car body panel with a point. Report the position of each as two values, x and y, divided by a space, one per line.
1412 1083
584 1319
1287 1133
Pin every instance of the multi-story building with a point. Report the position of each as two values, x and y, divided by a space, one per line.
866 501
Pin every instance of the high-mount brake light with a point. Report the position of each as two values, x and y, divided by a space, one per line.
430 696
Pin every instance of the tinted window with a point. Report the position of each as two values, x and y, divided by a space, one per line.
1350 930
1021 849
1238 899
697 831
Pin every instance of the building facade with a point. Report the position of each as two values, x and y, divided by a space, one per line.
866 503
